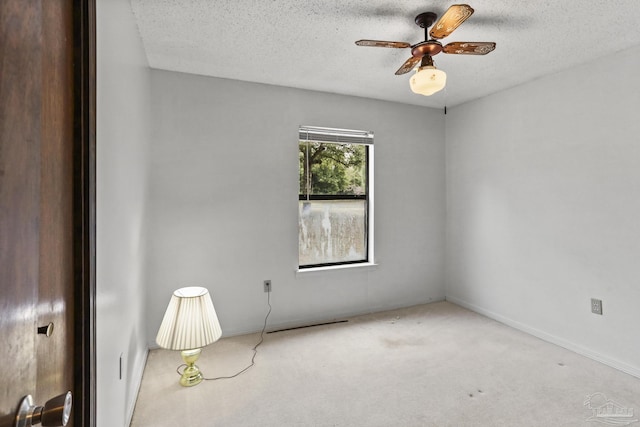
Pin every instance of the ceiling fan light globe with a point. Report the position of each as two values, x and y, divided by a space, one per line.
428 80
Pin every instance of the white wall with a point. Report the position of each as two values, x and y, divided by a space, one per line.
123 121
543 187
224 202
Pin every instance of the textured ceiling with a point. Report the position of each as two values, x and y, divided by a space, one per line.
310 44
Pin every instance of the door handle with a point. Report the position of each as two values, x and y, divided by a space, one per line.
54 413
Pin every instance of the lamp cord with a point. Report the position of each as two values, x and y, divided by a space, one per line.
255 349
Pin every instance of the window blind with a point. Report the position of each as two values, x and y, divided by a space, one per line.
334 135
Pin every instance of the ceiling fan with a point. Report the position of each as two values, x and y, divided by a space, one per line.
428 79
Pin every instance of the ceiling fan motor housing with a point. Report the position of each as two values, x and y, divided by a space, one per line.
429 47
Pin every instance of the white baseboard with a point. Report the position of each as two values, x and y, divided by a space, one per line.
136 382
301 322
616 364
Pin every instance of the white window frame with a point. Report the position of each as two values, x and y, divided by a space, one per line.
349 136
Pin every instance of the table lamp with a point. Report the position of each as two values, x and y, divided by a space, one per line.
189 324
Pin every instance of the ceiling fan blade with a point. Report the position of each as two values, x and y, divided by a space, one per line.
469 48
452 18
408 65
382 43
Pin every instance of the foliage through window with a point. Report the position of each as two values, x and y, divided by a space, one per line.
334 196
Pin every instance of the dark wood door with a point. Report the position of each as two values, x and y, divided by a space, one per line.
39 233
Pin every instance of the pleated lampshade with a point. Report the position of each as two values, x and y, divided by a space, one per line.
190 321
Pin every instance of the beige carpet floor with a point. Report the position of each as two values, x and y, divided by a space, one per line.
429 365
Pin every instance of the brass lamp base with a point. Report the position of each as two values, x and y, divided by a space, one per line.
191 375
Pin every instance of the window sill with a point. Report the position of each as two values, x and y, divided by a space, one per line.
336 267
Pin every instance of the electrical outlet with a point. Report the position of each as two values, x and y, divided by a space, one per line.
267 285
596 306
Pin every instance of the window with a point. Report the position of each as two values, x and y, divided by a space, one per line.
335 203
